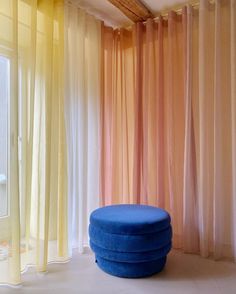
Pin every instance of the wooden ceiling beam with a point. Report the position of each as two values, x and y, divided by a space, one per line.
135 10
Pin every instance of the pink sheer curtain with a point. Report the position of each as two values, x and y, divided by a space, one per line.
117 117
168 123
159 116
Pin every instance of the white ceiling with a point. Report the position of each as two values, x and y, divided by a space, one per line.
161 5
104 10
112 16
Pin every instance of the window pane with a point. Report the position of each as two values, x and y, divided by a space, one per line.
4 113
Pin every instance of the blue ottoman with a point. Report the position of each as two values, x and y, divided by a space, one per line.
130 241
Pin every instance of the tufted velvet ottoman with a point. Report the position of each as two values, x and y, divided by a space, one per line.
130 241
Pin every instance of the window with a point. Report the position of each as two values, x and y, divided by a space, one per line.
4 133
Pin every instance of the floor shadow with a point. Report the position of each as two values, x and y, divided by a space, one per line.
182 266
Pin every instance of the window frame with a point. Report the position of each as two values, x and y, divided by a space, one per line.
8 57
5 219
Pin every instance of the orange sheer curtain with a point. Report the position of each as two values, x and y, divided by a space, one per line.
159 116
142 116
117 117
168 123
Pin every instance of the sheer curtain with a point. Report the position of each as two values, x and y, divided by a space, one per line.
209 194
216 129
142 118
181 122
34 230
82 55
233 113
117 117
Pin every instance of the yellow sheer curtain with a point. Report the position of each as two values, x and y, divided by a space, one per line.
34 230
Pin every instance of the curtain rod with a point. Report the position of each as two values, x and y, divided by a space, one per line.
164 13
178 10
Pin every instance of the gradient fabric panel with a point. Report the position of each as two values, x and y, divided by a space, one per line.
168 123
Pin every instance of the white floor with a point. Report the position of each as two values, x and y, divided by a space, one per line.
183 274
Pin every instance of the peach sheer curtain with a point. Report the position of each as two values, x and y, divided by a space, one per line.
117 117
168 123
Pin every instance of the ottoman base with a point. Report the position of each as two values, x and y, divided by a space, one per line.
131 270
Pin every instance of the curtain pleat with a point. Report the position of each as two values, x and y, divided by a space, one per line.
233 113
138 102
190 223
117 115
175 108
82 110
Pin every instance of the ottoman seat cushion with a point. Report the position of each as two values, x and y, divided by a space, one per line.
121 219
130 243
